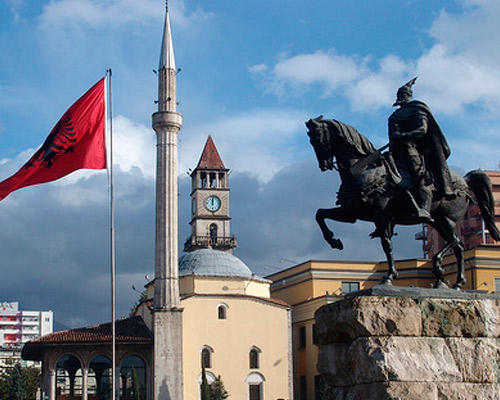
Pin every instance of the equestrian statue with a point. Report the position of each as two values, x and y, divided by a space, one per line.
408 184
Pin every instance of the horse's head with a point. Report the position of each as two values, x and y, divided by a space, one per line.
319 137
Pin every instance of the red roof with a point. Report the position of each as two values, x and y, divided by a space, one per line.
127 330
210 158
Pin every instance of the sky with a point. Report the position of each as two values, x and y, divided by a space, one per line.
252 74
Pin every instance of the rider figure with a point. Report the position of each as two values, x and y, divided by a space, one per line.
418 146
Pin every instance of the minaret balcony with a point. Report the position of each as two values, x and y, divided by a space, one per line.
218 243
166 119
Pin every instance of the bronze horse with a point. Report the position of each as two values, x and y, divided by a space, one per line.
370 191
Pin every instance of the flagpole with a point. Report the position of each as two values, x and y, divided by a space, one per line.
112 240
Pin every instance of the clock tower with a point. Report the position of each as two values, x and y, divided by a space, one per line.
210 220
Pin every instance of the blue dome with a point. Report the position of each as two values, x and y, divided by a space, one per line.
209 262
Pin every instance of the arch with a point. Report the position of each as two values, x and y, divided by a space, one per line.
222 310
213 232
99 379
132 374
206 356
210 377
254 357
69 377
255 383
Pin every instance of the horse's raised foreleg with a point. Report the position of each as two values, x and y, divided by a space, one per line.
335 214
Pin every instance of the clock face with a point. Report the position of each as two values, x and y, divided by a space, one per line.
212 203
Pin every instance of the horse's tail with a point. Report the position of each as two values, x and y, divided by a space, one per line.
480 184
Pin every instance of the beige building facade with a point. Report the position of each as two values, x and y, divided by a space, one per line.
232 327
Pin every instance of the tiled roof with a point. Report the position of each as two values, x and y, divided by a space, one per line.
127 330
210 158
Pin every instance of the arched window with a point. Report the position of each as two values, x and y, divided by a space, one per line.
222 311
99 379
213 233
255 383
69 376
206 357
253 358
132 374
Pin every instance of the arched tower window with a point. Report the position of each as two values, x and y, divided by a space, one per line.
222 311
203 180
254 358
206 357
213 233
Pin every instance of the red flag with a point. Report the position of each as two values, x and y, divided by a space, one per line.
76 142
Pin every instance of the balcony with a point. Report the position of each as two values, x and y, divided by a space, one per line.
219 242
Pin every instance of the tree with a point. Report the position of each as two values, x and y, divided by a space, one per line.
135 383
19 383
205 388
218 391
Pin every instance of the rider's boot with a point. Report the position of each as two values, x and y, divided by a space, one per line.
424 203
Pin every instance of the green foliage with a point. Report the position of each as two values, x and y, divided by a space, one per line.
135 385
218 391
205 388
18 383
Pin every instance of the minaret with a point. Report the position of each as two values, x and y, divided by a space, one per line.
167 316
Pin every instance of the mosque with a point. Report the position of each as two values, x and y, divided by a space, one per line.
205 311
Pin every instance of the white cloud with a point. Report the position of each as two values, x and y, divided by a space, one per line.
260 142
328 69
462 67
96 13
134 146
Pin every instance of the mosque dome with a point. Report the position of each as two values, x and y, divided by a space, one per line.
209 262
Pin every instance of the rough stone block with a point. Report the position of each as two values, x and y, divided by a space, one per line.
381 359
478 359
449 318
467 391
364 316
385 391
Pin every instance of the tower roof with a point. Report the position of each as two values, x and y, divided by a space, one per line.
167 59
210 158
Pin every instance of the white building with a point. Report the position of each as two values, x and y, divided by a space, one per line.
19 326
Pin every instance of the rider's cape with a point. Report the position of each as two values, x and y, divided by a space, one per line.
434 144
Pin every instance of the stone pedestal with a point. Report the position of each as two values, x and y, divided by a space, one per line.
410 344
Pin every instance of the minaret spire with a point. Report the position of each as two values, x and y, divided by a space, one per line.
167 315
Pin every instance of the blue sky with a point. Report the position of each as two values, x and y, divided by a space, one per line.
252 73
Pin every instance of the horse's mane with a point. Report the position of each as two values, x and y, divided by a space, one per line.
352 136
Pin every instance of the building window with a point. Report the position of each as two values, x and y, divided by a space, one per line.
319 387
303 387
302 337
206 357
255 383
213 233
222 311
497 285
315 335
348 287
254 358
255 392
213 180
203 180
